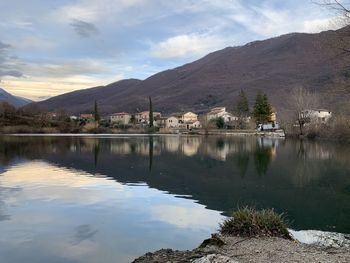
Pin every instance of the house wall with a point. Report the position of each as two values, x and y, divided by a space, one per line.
320 116
121 119
189 117
143 117
172 122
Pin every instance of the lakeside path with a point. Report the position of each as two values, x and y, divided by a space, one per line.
243 250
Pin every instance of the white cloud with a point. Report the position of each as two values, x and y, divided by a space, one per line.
185 46
318 25
187 215
34 42
93 11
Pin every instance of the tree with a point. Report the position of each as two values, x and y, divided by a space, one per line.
267 108
7 111
242 105
301 100
150 113
133 119
341 9
242 108
96 113
220 122
262 108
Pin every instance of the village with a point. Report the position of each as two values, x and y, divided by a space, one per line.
216 118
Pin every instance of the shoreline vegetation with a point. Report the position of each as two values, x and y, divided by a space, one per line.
251 235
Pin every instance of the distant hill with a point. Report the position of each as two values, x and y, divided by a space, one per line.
83 100
274 66
13 100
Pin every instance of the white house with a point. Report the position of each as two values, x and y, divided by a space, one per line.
143 117
172 122
187 117
120 118
220 112
194 125
316 116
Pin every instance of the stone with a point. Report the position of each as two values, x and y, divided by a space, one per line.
214 258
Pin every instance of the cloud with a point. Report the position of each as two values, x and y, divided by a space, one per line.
184 46
6 65
318 25
4 46
84 29
12 73
94 11
186 215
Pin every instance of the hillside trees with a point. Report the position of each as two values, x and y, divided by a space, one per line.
341 10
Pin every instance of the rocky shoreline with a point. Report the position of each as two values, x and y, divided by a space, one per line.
229 249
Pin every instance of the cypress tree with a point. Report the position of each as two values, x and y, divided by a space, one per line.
242 107
150 113
96 113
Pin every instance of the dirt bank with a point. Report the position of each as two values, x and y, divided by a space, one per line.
237 249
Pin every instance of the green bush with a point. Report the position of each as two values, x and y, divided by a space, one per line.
249 222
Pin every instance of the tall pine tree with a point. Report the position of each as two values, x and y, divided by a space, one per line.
267 109
150 113
262 108
242 106
96 113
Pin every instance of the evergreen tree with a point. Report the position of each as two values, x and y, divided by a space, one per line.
150 113
96 113
242 107
133 119
257 111
220 122
267 109
262 108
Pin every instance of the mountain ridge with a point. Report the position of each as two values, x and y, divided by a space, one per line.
13 100
274 66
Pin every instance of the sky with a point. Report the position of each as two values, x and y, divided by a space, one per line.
50 47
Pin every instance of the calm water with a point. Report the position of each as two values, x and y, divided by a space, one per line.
81 199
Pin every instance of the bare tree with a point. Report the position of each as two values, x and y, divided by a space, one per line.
300 101
341 10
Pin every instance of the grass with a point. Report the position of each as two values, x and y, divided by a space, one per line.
249 222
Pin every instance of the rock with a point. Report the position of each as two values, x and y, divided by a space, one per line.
215 240
214 258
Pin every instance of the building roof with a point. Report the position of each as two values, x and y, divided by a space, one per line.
120 113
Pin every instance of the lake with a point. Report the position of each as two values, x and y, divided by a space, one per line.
111 199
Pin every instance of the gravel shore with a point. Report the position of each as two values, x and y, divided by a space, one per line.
264 250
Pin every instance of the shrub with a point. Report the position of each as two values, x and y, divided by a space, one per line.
220 123
249 222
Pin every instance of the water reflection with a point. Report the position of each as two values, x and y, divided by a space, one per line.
123 191
82 233
66 215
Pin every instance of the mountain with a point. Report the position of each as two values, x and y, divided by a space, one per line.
83 100
274 66
13 100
